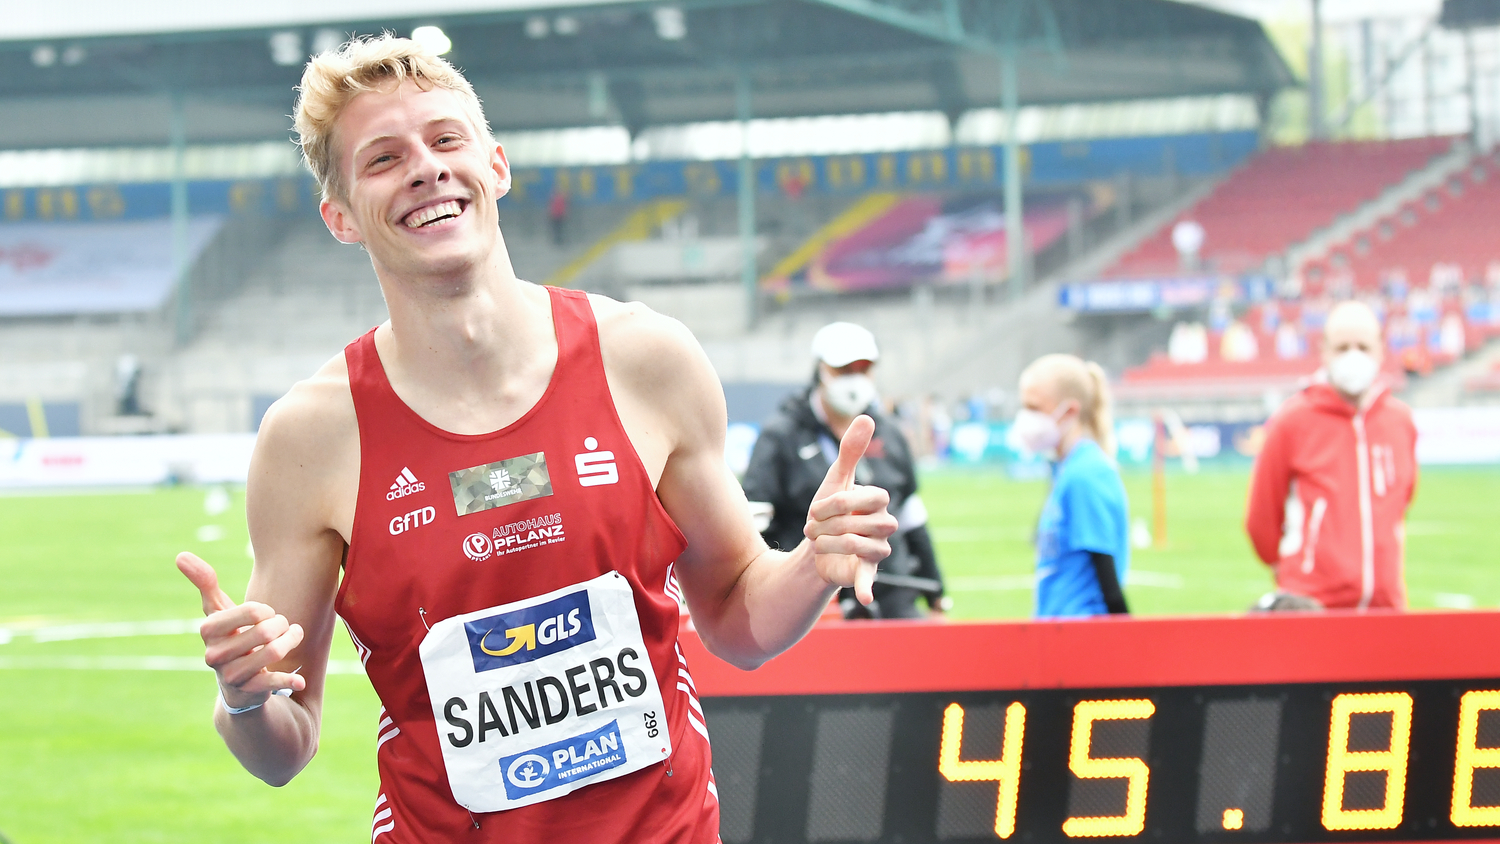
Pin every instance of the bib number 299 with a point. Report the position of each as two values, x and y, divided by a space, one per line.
651 730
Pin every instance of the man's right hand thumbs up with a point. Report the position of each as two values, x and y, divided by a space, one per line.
242 641
847 523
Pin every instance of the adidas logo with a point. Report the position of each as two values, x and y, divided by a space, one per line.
406 484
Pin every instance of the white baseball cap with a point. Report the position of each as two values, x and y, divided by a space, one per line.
842 343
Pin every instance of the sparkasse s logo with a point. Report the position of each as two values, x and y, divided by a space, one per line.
595 468
478 547
406 484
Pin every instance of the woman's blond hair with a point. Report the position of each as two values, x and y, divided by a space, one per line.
1071 377
380 63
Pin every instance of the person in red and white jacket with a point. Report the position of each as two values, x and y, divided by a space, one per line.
1333 480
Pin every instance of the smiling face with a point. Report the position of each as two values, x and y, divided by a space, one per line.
421 180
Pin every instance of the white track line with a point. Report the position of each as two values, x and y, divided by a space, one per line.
101 630
1020 582
138 663
113 630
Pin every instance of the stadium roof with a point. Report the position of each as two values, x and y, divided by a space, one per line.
569 63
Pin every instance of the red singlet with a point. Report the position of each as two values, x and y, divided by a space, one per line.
557 499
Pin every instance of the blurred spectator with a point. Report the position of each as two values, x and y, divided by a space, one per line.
1422 307
1187 239
1445 279
1395 285
1289 342
1220 312
128 385
799 443
557 216
1451 336
1082 538
1492 275
1332 483
1188 343
941 425
1239 343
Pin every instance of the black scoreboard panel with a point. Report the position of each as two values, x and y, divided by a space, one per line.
1402 761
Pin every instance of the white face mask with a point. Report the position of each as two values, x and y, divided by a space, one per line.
1039 432
1353 371
848 395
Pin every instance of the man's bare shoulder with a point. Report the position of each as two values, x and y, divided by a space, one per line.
646 342
657 360
314 423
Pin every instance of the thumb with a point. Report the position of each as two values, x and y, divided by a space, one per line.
851 448
206 579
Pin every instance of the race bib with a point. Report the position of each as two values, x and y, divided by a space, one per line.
537 698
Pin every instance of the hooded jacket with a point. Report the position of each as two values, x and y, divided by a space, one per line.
1329 495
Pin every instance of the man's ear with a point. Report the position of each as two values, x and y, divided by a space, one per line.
501 165
339 221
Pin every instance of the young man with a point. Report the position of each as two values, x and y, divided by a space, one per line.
1328 497
516 484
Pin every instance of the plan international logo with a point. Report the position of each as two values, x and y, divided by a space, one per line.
555 764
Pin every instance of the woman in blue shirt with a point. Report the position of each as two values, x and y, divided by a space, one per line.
1082 547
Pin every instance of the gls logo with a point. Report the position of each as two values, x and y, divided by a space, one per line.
527 634
596 468
413 520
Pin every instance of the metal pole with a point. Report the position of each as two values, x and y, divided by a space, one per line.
1015 229
1315 106
180 219
1472 83
749 276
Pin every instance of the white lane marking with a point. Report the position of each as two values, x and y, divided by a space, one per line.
138 663
979 534
1453 601
112 630
1021 582
1007 583
1165 580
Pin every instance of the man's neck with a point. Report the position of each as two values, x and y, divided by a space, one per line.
475 339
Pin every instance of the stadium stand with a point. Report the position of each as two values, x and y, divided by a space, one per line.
1281 197
1418 249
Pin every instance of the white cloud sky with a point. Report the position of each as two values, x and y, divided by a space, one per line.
82 18
1334 11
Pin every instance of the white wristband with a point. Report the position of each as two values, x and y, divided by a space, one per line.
242 710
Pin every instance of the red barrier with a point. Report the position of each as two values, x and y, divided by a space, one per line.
916 656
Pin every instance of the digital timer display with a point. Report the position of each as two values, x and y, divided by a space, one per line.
921 734
1293 763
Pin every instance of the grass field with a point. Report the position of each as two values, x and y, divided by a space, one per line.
98 745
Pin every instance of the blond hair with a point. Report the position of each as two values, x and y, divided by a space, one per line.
1071 377
380 63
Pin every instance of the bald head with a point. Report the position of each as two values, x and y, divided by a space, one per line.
1352 325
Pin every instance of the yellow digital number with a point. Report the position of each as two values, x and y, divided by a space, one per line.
1343 761
1006 770
1470 756
1130 768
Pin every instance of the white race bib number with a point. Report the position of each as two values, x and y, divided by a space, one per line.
537 698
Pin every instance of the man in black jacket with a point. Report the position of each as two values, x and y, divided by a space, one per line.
800 441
